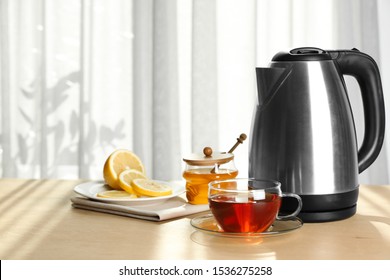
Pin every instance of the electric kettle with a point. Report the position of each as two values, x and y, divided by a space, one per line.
303 132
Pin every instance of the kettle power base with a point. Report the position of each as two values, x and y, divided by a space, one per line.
323 208
320 217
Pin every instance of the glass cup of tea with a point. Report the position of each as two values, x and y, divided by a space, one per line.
247 205
201 169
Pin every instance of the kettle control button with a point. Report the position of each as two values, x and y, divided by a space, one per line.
307 51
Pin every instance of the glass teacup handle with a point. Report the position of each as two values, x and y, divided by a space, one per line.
296 212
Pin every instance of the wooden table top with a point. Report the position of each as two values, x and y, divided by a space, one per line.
37 221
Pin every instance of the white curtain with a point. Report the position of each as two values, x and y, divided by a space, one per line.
80 78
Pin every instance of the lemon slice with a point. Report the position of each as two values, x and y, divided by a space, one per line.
116 163
127 176
149 187
116 194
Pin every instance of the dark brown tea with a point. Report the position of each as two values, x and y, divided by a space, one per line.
235 215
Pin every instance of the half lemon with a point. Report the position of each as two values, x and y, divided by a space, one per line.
116 163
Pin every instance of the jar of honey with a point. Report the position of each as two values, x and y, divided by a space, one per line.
201 169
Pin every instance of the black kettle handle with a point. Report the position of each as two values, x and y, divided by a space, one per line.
365 70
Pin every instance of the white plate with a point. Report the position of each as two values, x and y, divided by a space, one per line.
91 189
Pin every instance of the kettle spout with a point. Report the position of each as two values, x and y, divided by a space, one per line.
268 81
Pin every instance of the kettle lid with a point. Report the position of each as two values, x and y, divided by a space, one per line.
303 54
207 158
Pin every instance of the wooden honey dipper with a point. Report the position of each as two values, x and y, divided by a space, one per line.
207 151
240 140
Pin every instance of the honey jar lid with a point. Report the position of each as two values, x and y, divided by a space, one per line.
207 158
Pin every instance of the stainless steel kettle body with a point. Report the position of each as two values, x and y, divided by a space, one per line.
303 131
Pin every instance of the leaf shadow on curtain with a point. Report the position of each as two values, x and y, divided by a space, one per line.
65 151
